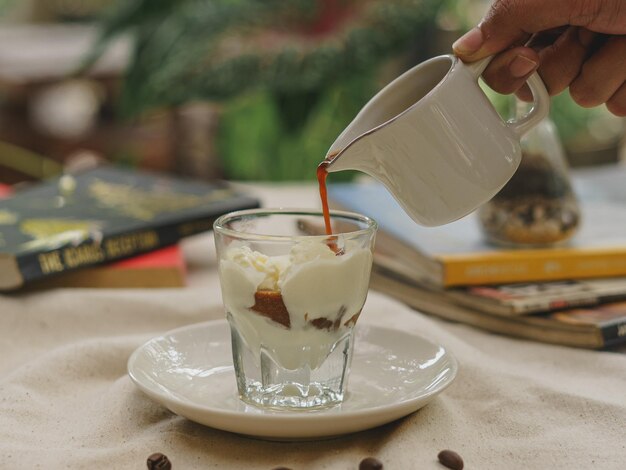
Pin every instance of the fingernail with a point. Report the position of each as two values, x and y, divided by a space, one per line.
469 43
522 66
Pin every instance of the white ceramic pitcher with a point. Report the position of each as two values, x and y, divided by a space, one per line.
435 141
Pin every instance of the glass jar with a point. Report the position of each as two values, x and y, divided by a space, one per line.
537 207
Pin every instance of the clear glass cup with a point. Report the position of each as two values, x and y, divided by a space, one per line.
292 296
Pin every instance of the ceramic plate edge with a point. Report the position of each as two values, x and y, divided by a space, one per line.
278 416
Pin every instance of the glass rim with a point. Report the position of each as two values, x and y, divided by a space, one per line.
219 224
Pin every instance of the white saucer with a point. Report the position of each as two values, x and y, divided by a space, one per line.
189 370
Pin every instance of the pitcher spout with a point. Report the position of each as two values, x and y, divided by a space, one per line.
354 154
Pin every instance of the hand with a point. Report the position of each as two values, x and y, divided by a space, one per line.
580 44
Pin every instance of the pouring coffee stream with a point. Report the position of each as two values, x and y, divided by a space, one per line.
322 174
434 140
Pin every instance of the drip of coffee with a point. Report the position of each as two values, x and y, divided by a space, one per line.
322 174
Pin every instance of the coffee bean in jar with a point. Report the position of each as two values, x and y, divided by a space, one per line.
537 207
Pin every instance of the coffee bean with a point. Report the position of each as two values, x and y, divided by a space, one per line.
450 459
370 463
159 461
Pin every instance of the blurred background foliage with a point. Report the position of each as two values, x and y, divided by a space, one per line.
291 75
299 70
222 48
244 89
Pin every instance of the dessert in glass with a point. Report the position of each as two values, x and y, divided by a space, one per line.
292 300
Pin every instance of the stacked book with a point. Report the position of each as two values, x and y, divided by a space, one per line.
572 295
106 227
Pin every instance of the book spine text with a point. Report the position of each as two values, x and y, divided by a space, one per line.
38 265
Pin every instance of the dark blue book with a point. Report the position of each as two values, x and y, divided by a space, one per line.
103 215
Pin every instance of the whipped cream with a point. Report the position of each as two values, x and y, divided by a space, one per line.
314 284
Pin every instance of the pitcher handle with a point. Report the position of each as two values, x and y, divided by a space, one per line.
540 109
541 99
477 68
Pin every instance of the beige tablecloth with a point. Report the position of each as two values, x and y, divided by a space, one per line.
66 401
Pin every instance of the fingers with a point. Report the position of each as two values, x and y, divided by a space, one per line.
617 102
510 20
546 38
592 65
509 70
561 61
564 43
560 52
602 75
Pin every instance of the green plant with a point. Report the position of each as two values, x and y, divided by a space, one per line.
5 5
288 85
214 50
254 144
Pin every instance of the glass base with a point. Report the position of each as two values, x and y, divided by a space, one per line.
263 382
291 396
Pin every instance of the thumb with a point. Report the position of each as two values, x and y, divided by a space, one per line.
511 22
